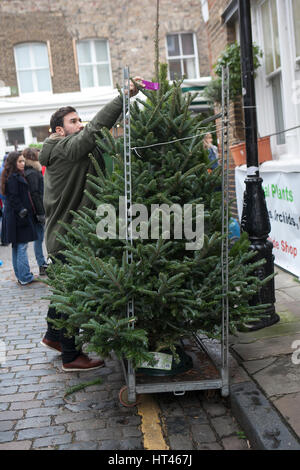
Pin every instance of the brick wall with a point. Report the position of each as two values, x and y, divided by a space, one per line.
41 27
219 35
129 26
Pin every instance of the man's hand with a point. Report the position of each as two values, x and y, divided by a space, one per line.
133 89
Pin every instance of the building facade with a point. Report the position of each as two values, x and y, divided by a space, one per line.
276 29
220 33
65 53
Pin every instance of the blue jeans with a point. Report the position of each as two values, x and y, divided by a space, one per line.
20 263
38 245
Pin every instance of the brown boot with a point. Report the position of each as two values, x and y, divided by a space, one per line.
54 345
82 363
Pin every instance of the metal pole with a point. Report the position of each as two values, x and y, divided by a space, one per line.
225 230
128 214
255 217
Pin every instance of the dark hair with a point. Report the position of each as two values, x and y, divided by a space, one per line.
57 119
9 168
31 153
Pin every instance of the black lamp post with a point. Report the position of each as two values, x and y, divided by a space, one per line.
255 218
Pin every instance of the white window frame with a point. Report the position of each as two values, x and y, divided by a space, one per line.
5 132
295 73
181 57
94 63
277 71
293 33
32 69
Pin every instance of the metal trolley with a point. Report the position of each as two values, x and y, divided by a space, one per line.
207 373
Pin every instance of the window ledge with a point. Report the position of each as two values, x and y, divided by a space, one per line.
199 81
98 89
35 93
290 165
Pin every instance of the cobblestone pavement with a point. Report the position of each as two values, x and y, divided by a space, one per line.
35 414
201 421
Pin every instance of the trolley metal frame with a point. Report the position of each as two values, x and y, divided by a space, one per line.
180 387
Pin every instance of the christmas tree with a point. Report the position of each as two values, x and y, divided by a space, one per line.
176 291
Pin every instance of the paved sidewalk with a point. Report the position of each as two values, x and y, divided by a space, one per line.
271 356
34 414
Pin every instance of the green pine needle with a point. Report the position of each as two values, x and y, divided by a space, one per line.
77 388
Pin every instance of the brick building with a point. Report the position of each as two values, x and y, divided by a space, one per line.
222 29
58 53
276 29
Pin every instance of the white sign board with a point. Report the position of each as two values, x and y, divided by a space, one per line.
282 192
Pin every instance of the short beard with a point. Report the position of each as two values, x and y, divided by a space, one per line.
67 133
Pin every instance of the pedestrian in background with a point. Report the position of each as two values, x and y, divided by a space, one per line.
212 150
35 180
2 198
18 227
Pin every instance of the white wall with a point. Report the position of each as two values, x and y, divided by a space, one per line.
290 151
36 110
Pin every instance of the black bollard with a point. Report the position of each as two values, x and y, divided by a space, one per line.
255 218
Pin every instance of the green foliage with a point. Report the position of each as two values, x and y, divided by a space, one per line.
231 56
176 292
77 388
241 435
213 91
36 146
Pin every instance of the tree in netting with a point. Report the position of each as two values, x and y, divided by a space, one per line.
176 291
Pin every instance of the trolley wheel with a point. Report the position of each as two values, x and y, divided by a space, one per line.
123 397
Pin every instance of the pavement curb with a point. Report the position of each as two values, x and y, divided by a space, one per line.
259 420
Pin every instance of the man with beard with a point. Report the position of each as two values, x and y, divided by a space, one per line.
65 154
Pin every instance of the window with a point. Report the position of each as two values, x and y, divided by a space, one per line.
94 63
205 10
40 133
296 17
14 137
182 56
278 111
273 62
32 64
271 36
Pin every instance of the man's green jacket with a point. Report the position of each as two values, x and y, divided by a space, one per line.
67 164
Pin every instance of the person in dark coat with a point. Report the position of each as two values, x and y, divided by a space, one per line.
18 226
2 198
35 180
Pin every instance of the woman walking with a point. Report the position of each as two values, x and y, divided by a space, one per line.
34 178
18 226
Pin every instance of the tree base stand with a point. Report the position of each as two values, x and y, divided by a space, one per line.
185 363
207 373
